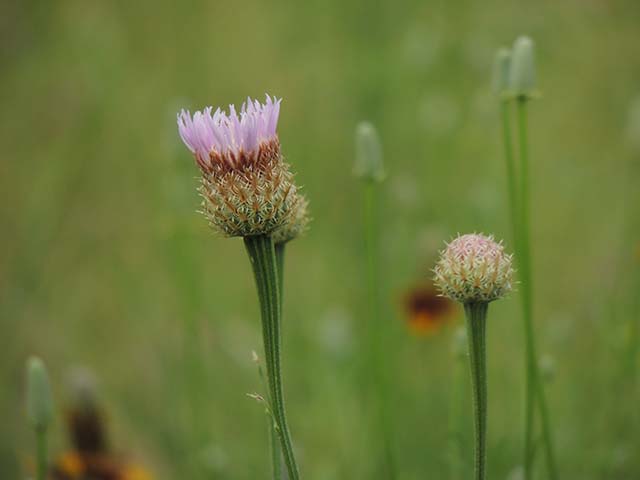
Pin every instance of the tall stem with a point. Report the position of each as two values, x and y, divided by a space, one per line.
534 387
455 417
511 170
263 260
476 314
41 453
276 453
376 353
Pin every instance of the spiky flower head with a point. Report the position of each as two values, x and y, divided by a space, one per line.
247 188
297 224
474 268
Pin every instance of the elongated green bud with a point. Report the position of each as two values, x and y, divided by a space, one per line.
522 76
368 165
501 66
39 400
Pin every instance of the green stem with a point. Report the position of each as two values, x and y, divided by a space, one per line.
455 416
511 171
534 387
476 314
376 353
276 454
263 260
41 446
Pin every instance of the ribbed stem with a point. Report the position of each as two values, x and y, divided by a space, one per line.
534 387
263 260
375 353
41 454
476 314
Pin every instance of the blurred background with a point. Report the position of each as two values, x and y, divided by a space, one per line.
105 264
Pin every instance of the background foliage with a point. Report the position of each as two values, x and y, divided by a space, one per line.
104 263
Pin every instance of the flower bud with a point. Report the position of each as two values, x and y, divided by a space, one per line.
39 401
501 65
297 224
473 268
522 74
459 343
368 165
547 368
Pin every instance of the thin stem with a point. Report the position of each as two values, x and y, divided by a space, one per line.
41 446
276 454
376 354
455 416
511 170
263 260
534 387
476 314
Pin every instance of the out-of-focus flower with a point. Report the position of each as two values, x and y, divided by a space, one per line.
474 268
246 187
426 311
501 67
90 457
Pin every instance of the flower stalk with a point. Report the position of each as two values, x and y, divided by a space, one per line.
516 76
369 168
475 270
534 386
261 251
476 319
249 191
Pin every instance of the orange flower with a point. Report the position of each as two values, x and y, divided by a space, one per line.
426 311
90 457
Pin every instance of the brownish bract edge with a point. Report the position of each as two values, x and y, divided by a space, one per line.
220 163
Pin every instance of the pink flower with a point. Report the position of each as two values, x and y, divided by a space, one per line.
232 140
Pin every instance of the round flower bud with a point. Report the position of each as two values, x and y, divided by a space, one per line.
368 165
474 268
298 224
522 74
39 401
501 65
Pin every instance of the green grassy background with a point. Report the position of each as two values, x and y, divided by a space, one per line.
104 262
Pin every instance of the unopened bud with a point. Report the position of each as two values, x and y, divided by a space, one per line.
547 368
368 165
501 66
522 74
474 268
39 400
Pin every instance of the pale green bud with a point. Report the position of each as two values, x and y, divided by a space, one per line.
368 165
547 368
522 74
459 344
39 400
501 66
